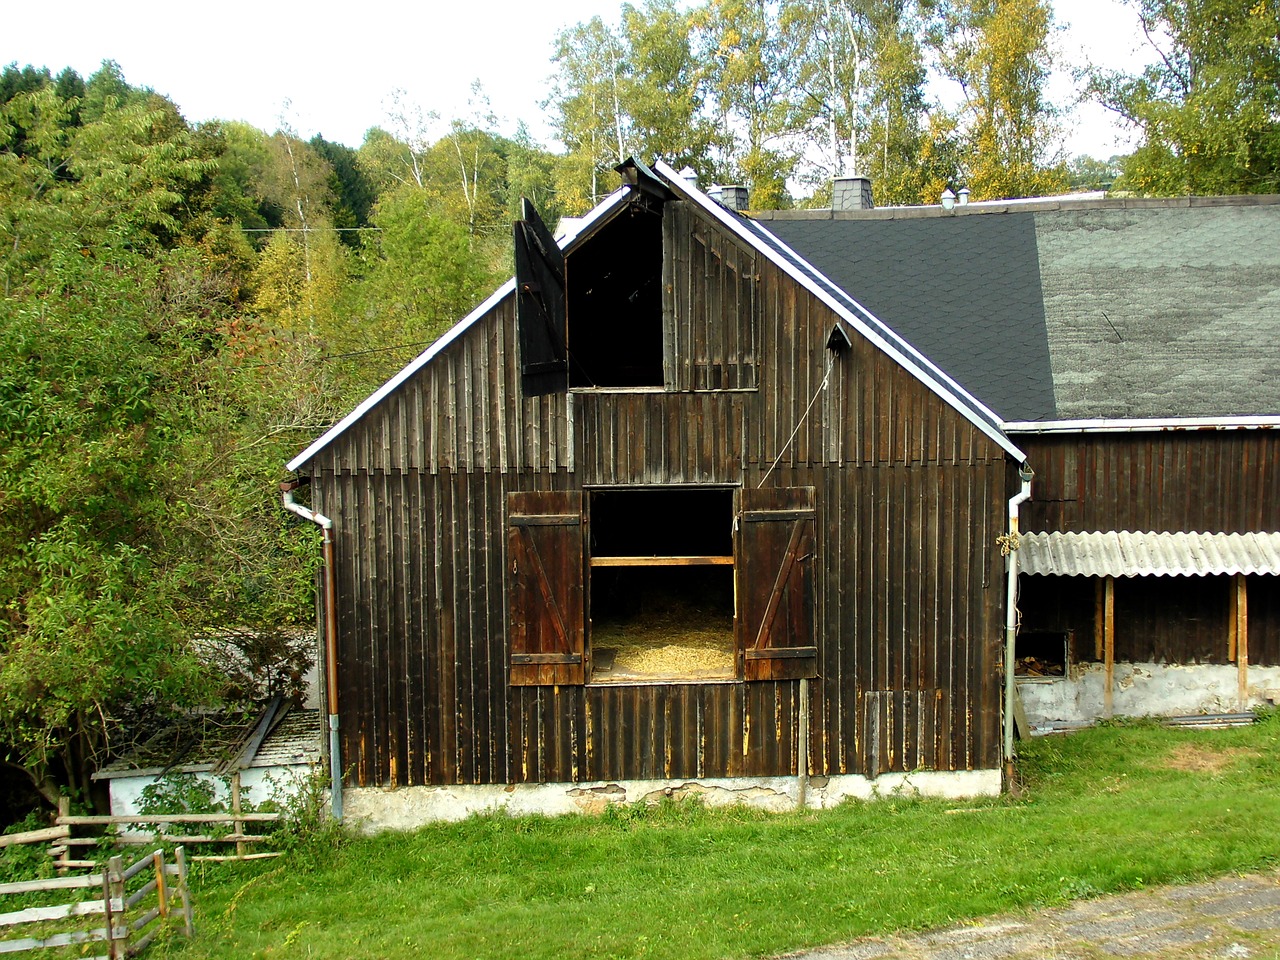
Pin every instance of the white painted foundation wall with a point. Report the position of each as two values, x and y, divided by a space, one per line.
1146 690
374 809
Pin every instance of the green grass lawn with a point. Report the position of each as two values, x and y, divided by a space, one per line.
1108 809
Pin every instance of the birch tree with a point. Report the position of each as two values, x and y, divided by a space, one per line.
998 51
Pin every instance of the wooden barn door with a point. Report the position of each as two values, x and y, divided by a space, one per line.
544 596
775 583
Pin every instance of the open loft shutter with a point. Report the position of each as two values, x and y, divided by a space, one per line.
544 600
775 583
540 306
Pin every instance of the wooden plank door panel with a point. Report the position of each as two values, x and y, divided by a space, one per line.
544 597
775 583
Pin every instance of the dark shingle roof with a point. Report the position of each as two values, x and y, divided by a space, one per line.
965 291
1110 309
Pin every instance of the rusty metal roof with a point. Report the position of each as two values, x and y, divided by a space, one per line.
1119 553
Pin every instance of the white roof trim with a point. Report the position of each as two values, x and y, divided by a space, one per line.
901 351
1139 425
453 333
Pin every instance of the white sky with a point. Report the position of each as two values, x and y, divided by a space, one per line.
332 70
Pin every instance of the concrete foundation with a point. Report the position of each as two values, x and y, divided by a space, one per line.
1146 690
375 809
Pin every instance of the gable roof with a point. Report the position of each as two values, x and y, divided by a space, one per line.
1085 311
758 237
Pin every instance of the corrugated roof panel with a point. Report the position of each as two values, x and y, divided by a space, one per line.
1120 553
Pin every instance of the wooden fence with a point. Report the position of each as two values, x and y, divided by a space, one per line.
128 924
63 844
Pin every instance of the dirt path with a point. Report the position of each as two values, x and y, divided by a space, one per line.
1230 917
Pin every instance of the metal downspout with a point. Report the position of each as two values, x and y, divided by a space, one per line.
1025 473
330 640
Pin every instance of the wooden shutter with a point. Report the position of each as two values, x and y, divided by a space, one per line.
544 597
775 583
540 306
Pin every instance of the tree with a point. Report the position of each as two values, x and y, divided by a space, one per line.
352 192
664 93
589 118
1090 173
998 52
860 64
1208 107
751 80
420 275
131 485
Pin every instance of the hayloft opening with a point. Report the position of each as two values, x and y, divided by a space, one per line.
613 289
661 593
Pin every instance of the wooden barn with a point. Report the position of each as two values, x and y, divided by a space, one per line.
1132 349
669 512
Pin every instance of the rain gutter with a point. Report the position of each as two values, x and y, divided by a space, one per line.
1137 425
1025 473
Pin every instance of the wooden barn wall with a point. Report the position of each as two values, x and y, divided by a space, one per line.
1158 619
463 411
1172 619
910 582
710 304
1205 481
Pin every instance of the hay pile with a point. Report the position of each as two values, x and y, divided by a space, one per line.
676 643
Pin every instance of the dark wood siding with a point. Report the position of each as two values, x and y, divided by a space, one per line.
1172 619
1264 621
908 583
1224 481
710 304
1163 481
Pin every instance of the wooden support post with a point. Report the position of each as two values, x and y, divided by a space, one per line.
64 810
117 923
1240 627
802 752
180 855
235 809
1109 647
162 897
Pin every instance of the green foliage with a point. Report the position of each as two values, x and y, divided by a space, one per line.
25 861
750 75
134 464
1208 107
180 793
1090 173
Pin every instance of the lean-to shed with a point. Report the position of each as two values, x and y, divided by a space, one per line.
671 510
